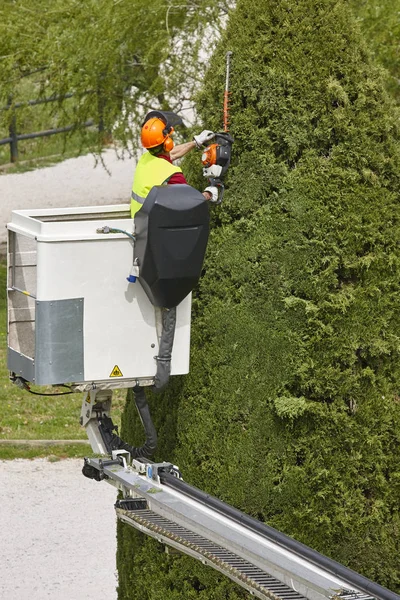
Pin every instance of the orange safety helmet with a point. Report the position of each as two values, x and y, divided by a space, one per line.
156 131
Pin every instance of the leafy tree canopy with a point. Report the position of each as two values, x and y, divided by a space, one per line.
130 54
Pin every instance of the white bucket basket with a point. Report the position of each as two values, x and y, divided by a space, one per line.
72 315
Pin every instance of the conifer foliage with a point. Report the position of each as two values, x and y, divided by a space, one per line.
291 411
380 22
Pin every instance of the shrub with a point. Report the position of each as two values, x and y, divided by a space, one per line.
291 410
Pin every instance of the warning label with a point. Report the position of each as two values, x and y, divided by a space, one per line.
116 372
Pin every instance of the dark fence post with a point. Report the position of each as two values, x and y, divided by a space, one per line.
12 131
105 136
100 108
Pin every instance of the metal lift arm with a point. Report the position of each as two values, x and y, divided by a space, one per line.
264 561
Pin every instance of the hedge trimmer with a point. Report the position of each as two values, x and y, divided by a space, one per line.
217 156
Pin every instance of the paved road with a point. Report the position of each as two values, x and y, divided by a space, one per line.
57 532
74 182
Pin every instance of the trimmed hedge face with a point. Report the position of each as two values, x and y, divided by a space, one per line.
291 411
381 26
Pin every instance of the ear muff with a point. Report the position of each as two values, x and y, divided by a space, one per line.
169 142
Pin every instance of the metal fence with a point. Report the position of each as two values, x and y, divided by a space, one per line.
14 137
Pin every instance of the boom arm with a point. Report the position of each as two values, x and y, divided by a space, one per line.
264 561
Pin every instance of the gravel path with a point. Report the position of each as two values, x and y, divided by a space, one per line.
74 182
57 528
57 532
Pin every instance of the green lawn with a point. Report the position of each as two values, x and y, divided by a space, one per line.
42 151
24 416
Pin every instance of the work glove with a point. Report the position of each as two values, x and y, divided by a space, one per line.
203 137
213 190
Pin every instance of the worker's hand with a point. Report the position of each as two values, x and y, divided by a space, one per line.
203 137
213 191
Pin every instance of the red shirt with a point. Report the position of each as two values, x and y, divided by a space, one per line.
176 177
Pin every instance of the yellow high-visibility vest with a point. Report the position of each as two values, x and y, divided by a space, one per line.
150 171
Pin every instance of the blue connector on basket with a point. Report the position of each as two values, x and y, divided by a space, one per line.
134 274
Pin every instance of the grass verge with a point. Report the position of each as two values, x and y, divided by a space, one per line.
47 156
52 453
47 150
29 417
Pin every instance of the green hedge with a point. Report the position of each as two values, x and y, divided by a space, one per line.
380 22
291 411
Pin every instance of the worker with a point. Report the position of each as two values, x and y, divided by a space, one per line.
156 167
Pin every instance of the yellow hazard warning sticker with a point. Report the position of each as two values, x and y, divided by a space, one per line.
116 372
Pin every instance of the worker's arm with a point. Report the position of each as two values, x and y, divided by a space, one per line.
198 141
181 150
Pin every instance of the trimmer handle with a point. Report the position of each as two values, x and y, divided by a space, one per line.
218 183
